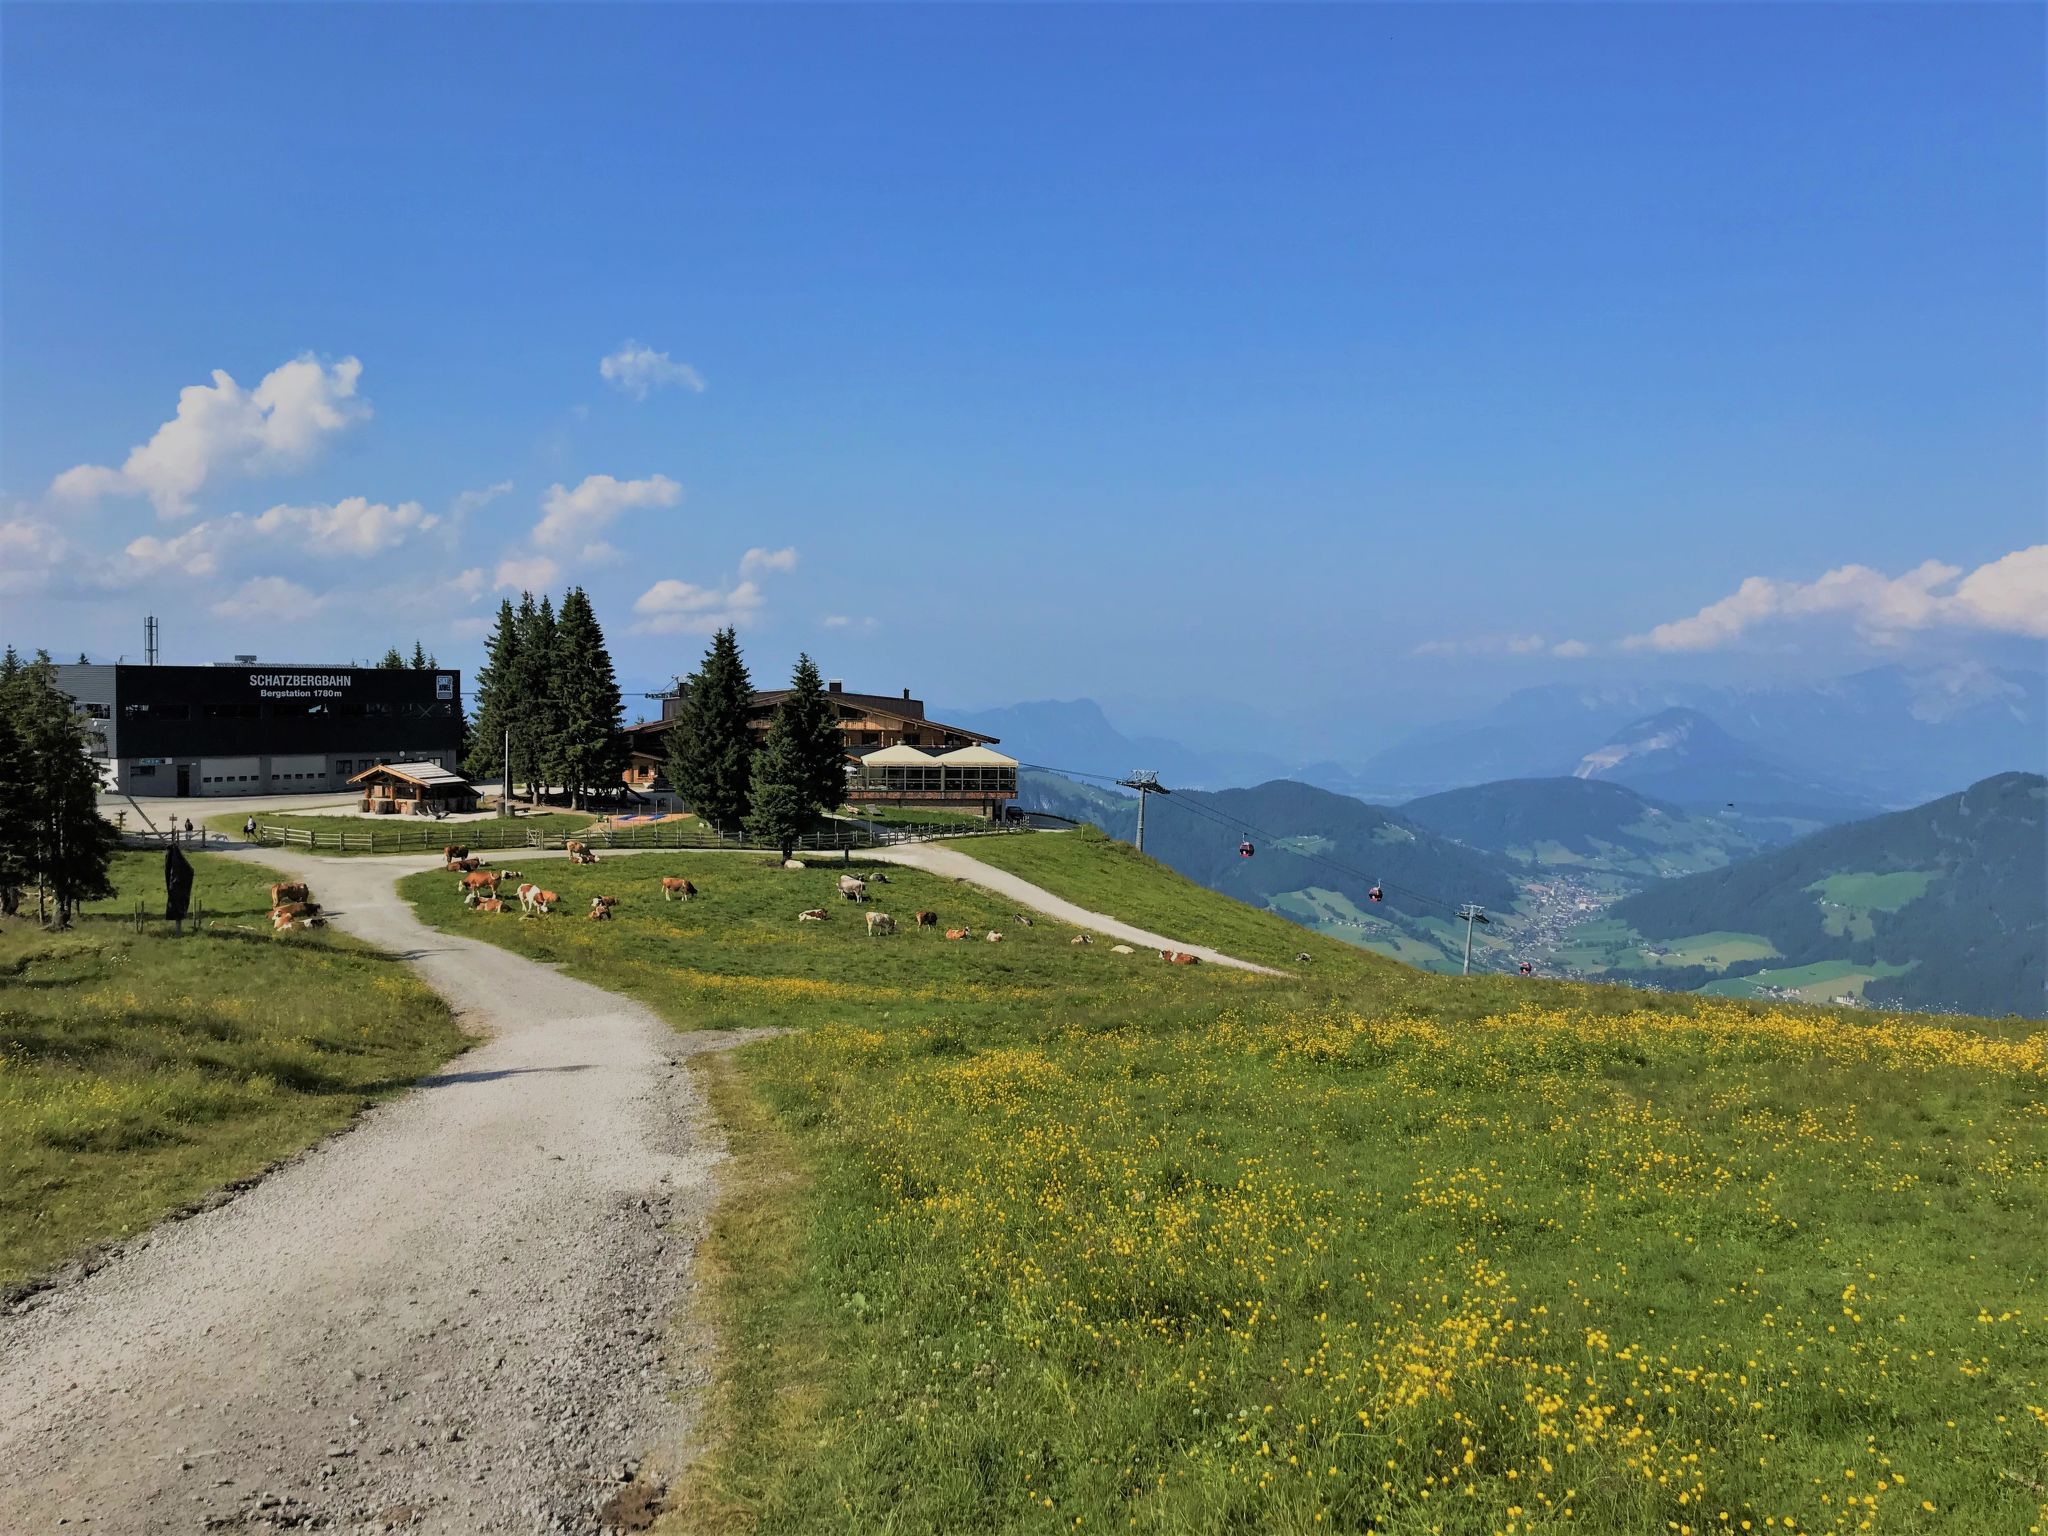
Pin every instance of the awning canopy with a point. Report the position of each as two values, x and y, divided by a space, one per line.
974 757
900 756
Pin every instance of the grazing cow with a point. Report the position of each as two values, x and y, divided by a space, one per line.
534 902
958 933
454 851
676 888
1080 938
478 880
812 915
582 856
994 937
287 890
489 904
880 922
927 919
853 888
1179 957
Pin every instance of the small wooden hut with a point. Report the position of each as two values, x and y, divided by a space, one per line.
413 789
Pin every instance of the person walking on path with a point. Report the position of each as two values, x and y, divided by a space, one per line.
249 829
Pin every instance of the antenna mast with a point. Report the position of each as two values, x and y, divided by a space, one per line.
149 638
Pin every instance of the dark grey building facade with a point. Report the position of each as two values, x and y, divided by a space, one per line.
256 728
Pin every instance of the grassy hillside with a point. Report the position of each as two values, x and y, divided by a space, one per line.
1027 1237
1940 907
1587 826
1318 856
139 1071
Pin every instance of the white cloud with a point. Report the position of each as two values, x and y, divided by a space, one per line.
472 583
267 599
356 526
467 502
601 553
1571 649
757 561
195 552
2007 596
635 370
222 429
567 516
525 573
674 607
1483 645
35 557
847 621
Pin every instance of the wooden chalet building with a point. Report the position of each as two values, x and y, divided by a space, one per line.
895 756
413 789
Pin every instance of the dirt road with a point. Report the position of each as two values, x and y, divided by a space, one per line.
454 1318
940 860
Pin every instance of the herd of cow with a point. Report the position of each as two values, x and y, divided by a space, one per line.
292 906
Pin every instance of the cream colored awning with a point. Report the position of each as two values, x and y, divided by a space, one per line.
899 756
974 757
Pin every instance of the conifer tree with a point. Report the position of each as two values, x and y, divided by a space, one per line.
16 867
421 661
710 748
528 701
782 808
587 750
491 695
56 829
813 724
392 662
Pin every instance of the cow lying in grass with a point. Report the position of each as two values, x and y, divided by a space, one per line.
1179 957
959 933
812 915
601 908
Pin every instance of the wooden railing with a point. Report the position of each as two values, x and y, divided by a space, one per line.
495 835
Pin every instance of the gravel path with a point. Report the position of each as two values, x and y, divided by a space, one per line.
950 861
454 1318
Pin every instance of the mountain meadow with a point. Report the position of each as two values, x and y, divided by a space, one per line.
1032 1236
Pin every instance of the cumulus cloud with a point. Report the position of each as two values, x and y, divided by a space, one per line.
635 370
356 526
757 562
569 516
601 553
526 573
678 608
195 552
267 599
2007 596
223 429
1571 650
35 557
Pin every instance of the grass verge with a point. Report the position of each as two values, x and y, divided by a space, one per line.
140 1071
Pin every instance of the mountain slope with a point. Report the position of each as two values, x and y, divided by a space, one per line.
1317 856
1939 907
1590 824
1683 756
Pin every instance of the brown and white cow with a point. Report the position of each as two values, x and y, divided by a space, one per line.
489 904
853 888
1179 957
880 922
812 915
676 888
287 890
455 851
534 902
927 919
478 880
959 933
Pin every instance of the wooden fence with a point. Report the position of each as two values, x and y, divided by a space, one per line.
509 834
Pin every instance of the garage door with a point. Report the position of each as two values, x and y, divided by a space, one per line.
290 775
230 776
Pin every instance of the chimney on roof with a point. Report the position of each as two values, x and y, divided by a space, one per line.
836 685
906 693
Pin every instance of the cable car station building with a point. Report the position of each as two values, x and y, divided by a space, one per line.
247 728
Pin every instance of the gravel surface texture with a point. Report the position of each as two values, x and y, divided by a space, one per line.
467 1314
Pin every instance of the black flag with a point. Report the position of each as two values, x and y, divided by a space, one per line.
177 884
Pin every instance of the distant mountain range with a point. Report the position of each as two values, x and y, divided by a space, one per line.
1940 907
1590 825
1790 758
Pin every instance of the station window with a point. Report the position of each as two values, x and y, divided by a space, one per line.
144 772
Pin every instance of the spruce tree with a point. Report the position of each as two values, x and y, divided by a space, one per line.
491 696
57 828
710 748
782 807
392 662
813 724
16 867
529 705
588 747
421 661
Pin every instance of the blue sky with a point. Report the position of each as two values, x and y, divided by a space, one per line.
1290 356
